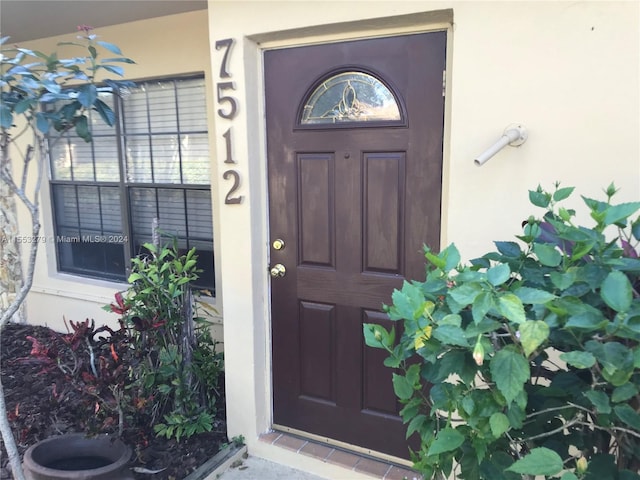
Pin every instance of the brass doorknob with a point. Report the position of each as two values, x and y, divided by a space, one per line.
278 244
278 270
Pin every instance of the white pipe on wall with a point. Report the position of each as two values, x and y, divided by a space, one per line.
514 135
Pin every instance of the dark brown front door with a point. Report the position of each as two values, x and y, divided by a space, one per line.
354 133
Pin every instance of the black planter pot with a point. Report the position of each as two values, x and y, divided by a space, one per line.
77 457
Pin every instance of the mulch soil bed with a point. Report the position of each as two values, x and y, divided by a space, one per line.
41 405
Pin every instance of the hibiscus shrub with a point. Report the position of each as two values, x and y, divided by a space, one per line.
527 361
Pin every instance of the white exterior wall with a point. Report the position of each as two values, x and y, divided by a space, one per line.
568 71
162 47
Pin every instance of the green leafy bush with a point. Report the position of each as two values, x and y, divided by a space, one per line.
160 368
527 361
177 367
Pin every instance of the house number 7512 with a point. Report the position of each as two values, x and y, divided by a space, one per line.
228 110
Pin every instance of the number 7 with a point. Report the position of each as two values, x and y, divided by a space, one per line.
224 66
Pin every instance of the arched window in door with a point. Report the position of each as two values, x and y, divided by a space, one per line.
350 97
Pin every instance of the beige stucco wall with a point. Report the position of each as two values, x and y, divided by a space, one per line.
161 47
568 71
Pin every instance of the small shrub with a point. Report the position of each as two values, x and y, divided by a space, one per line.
527 361
159 368
178 367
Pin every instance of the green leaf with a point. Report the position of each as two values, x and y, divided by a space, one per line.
589 320
533 296
117 59
540 461
562 193
465 294
451 335
109 46
547 255
516 416
451 255
618 213
51 86
601 466
509 249
499 274
402 387
481 306
580 249
82 128
24 105
88 95
451 319
6 116
408 303
415 424
511 307
600 400
569 476
510 371
616 359
539 198
635 229
134 276
629 475
494 469
435 259
624 392
628 415
579 359
563 280
42 124
113 69
616 291
499 424
376 336
533 333
447 439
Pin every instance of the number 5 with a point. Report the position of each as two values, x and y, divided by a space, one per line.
233 103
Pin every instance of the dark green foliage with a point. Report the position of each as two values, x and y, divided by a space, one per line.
152 370
177 368
533 350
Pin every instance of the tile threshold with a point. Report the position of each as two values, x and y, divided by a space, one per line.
367 465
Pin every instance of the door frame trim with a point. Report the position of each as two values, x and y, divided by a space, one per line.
253 48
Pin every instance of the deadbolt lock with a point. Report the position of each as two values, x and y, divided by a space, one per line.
278 244
278 270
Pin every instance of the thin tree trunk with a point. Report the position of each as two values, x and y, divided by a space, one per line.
188 336
9 442
21 295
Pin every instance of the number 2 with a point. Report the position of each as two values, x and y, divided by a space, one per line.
229 199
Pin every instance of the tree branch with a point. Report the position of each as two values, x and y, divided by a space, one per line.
612 428
10 446
25 169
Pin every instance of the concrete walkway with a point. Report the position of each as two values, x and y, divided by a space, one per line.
252 468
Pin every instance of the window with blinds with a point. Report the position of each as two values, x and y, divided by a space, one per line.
151 168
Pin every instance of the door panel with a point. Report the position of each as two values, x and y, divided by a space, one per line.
354 201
